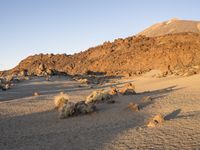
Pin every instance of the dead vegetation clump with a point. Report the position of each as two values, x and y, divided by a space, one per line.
82 108
98 96
128 89
156 120
73 109
60 100
66 110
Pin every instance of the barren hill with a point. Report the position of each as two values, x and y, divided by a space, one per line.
174 53
172 26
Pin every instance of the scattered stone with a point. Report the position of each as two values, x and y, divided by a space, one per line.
113 91
9 78
110 101
49 72
26 78
23 73
146 99
36 94
128 89
16 80
48 78
156 120
134 107
5 87
189 73
83 81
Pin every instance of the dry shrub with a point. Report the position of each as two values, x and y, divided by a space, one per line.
71 109
97 96
82 108
60 100
67 110
156 120
134 107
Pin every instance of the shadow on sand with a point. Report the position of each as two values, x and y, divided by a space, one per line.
65 84
45 131
172 115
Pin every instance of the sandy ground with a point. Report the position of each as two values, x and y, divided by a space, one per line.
30 122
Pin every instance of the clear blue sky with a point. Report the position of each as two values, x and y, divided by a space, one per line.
28 27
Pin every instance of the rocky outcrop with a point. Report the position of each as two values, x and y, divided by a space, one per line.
177 54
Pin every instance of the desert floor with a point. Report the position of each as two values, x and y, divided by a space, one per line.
30 122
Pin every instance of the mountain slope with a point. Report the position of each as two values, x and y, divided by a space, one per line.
173 53
172 26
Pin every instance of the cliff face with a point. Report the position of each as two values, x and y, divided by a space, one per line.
173 53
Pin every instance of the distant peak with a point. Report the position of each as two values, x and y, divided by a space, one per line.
172 20
172 26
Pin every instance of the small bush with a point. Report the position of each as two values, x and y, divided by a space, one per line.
98 96
67 110
60 100
82 108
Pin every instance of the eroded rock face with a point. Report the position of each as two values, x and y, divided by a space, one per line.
172 54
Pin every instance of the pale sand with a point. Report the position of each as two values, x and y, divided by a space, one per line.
32 123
